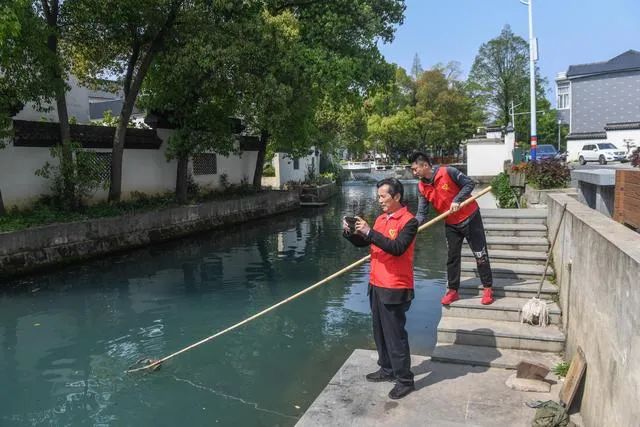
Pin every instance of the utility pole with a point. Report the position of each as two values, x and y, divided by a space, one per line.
533 57
559 128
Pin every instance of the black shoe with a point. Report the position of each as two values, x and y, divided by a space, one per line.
400 391
379 376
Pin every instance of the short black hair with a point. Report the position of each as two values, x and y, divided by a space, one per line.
419 156
395 187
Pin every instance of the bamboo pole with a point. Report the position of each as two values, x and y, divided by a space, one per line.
361 261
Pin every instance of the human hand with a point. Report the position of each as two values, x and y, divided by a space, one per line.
362 227
345 226
455 207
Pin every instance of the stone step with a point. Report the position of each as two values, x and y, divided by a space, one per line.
500 334
514 216
532 244
506 256
504 358
504 308
508 270
516 230
517 288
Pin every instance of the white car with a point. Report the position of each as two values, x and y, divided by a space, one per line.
601 152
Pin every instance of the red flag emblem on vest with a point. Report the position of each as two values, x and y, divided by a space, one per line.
445 187
392 233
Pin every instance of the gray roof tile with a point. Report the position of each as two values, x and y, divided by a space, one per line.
629 60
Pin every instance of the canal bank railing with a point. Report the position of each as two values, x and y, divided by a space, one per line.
153 364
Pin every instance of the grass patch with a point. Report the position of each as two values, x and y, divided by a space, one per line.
561 369
45 211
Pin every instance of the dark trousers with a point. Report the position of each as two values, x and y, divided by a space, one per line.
392 340
473 231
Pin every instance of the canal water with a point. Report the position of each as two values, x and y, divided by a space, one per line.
66 337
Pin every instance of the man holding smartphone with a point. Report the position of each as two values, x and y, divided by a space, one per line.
390 291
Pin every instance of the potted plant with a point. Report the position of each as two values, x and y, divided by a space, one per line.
518 175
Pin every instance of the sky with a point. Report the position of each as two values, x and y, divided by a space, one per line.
569 32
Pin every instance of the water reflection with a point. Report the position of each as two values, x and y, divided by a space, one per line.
68 336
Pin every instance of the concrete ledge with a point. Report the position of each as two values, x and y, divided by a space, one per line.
35 248
447 395
595 176
534 196
597 265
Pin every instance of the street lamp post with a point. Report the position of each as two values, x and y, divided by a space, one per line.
533 57
559 128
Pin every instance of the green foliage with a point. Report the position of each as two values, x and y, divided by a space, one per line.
503 192
561 369
432 111
548 174
47 210
500 76
108 119
82 173
269 170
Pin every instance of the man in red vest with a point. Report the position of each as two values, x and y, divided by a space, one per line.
445 188
390 291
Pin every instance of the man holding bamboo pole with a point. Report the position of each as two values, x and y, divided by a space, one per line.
446 188
390 291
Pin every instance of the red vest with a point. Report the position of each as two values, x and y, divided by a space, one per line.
389 271
441 194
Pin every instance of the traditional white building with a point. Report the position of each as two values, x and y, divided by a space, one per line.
290 169
486 153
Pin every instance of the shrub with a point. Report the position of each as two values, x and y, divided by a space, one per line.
75 180
503 192
269 170
548 174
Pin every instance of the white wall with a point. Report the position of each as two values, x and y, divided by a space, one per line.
617 137
575 145
283 165
487 157
146 171
77 106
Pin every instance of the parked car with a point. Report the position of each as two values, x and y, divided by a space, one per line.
545 152
601 152
562 156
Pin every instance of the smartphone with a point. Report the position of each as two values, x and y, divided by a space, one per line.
351 220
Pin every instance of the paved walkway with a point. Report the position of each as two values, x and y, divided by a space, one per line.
447 395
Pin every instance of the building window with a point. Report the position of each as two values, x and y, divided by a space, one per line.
563 98
296 164
205 164
101 165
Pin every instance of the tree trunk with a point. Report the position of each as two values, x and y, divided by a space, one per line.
181 179
131 93
51 13
2 210
262 151
133 81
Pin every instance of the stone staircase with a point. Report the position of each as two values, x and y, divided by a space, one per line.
471 333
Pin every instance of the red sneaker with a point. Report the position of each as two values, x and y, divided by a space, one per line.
450 296
487 296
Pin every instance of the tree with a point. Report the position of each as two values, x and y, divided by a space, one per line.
193 85
500 76
24 63
311 55
121 38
